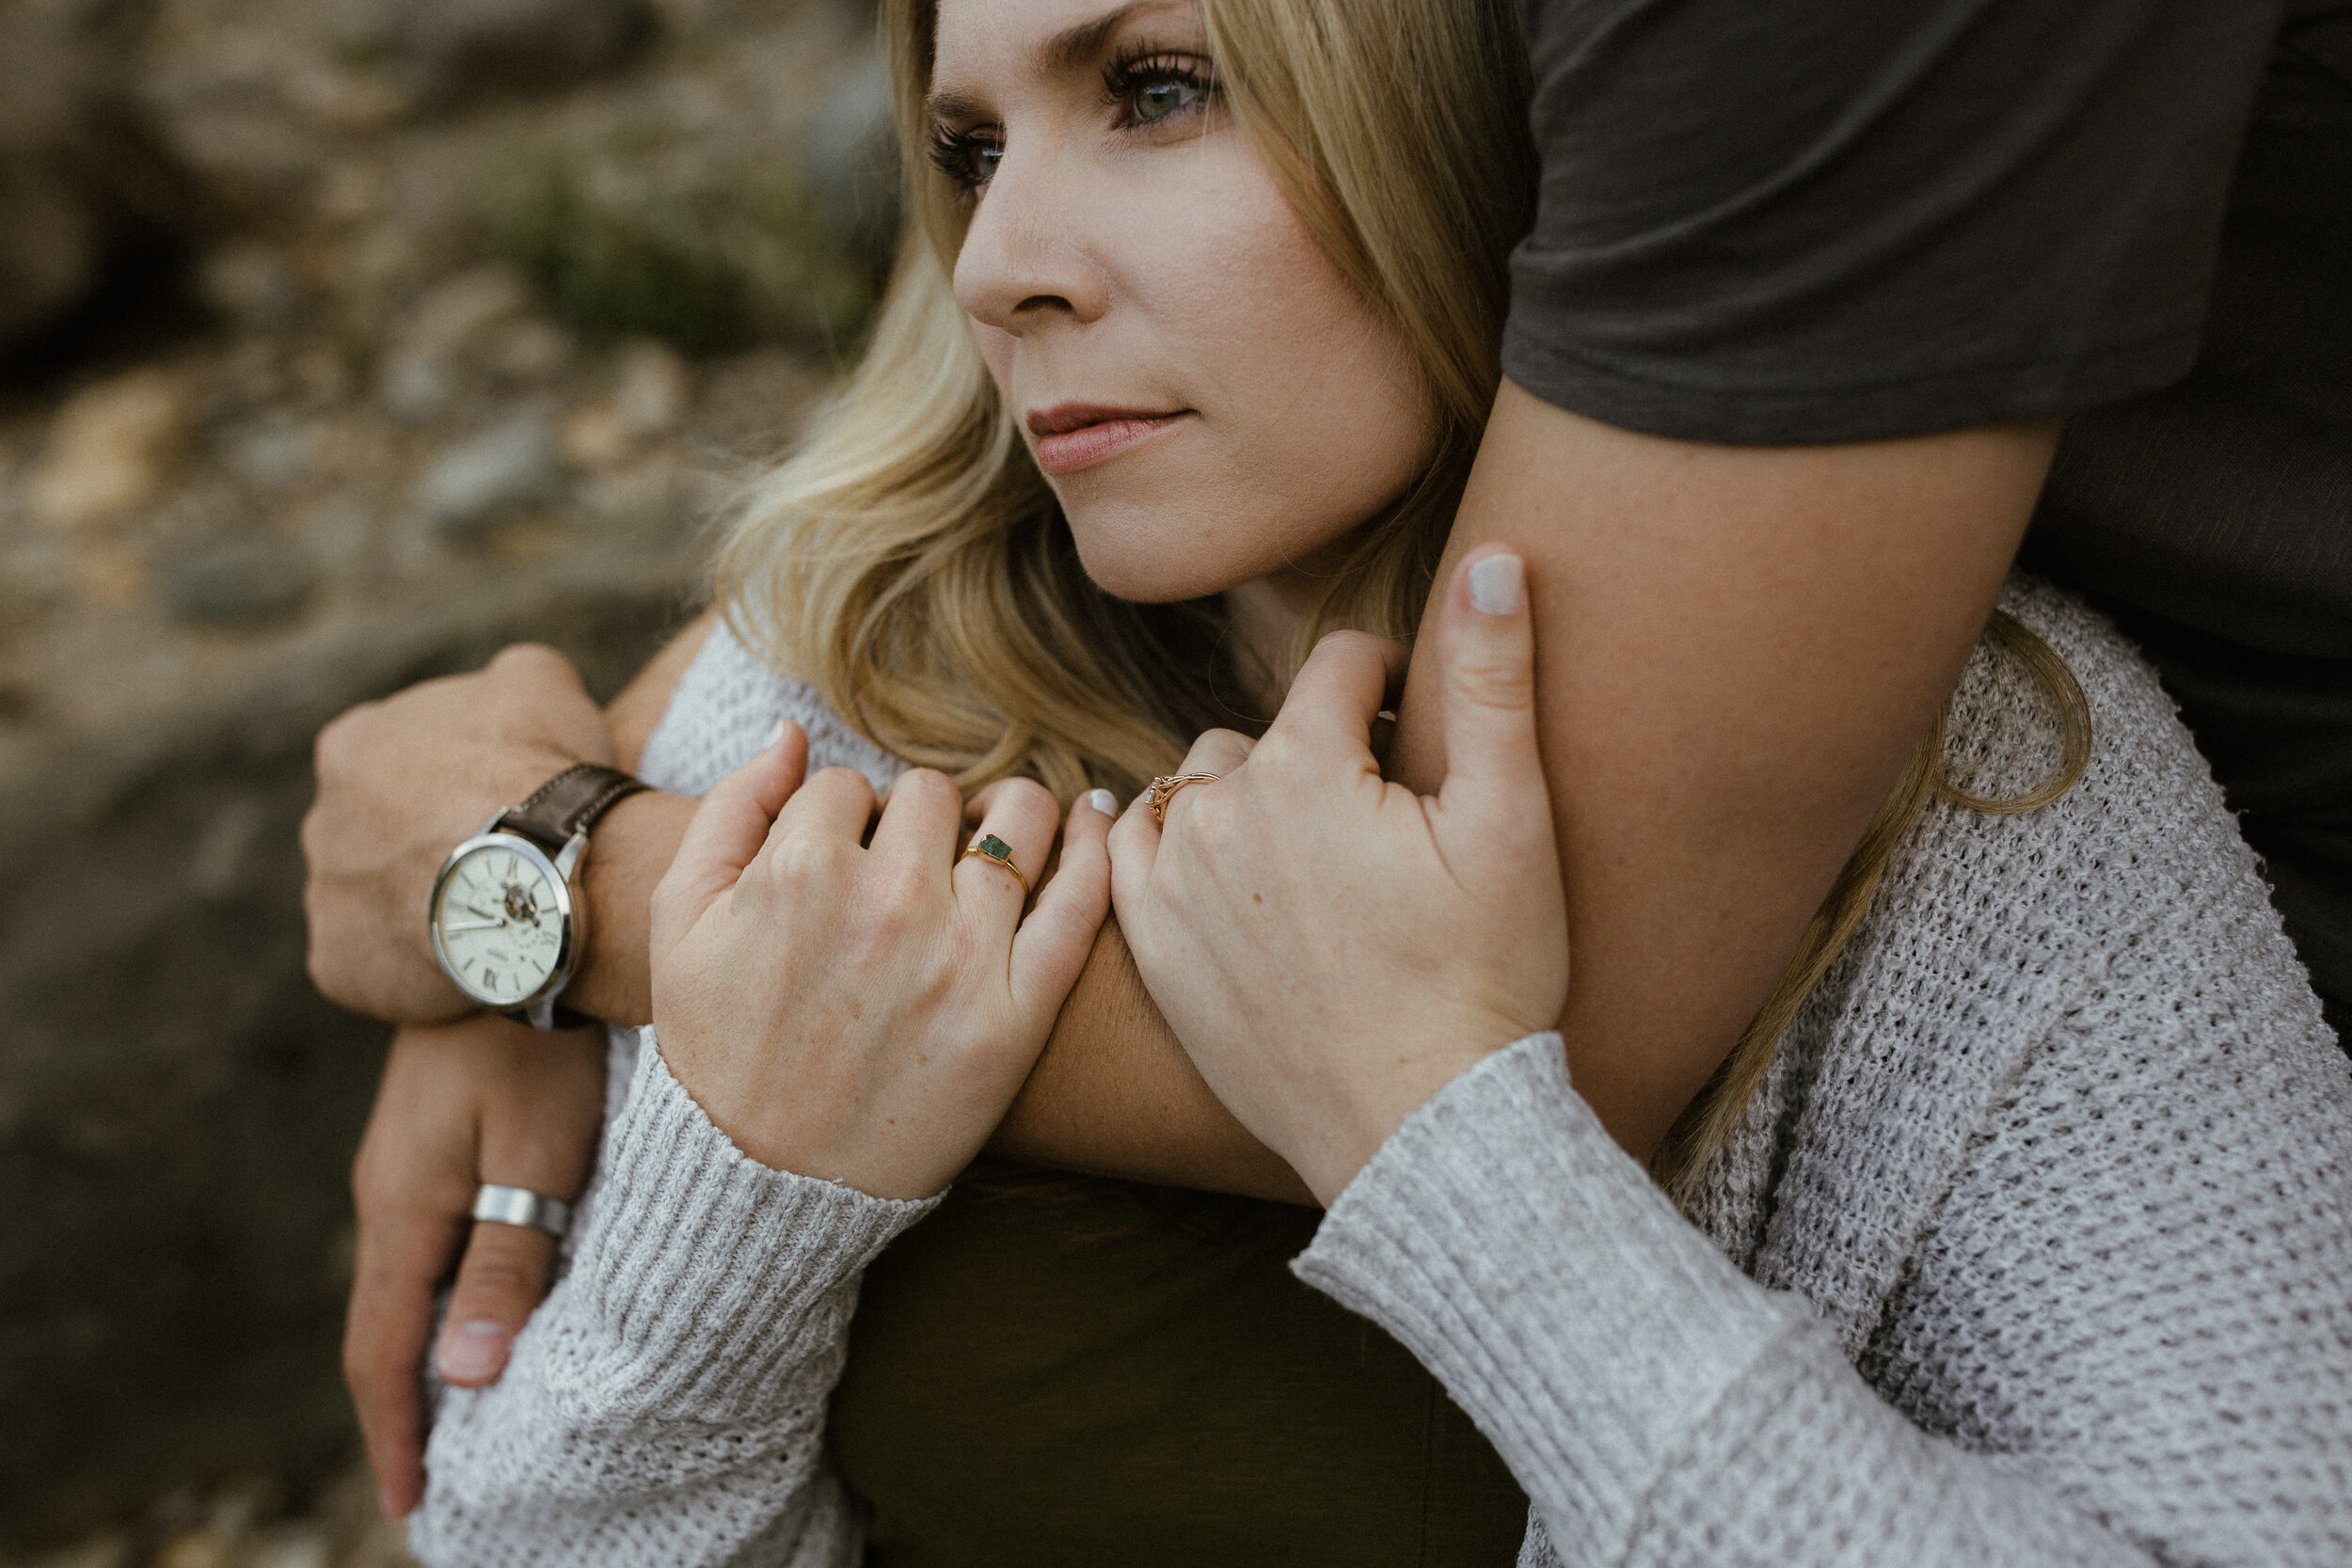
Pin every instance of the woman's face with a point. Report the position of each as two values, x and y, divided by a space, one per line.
1207 393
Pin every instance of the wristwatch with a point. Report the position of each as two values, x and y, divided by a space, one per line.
504 925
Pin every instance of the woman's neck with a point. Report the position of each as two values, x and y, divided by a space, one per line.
1266 615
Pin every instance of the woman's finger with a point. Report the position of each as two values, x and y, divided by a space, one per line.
1021 818
726 832
976 805
836 803
1135 838
1213 754
1494 805
1052 946
1134 848
1340 689
1217 751
924 812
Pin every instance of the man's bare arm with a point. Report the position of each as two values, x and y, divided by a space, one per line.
1115 1095
1737 650
479 1098
634 845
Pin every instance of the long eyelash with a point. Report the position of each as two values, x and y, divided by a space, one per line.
953 153
1136 64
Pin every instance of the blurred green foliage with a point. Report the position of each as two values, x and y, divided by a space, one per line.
738 256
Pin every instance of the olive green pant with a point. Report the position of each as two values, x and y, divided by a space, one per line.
1092 1372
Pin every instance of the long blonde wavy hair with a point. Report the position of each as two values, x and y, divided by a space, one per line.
912 565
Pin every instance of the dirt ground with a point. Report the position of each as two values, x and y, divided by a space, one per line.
395 336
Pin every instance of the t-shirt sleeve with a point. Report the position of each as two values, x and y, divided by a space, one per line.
1781 222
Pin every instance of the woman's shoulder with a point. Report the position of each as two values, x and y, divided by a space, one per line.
729 704
2117 945
2136 877
2131 907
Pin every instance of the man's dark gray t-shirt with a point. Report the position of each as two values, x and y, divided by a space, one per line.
1792 222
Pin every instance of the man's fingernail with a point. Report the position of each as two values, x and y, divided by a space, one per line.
471 1352
1498 585
1104 801
774 736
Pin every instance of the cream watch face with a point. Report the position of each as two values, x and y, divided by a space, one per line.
498 919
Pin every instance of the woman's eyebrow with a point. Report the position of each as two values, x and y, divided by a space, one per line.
953 106
1076 46
1067 50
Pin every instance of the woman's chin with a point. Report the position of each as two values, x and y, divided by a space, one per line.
1139 571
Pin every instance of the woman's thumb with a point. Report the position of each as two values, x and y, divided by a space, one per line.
1494 791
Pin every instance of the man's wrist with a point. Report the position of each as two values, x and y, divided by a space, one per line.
627 853
521 773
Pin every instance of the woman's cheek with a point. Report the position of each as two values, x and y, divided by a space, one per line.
996 345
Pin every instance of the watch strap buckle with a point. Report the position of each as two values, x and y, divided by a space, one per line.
570 804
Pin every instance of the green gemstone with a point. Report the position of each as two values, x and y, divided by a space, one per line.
994 848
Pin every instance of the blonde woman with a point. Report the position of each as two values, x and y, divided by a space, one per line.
2033 1247
1217 338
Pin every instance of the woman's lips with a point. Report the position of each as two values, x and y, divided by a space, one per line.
1074 435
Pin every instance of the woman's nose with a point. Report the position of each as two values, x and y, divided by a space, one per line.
1025 262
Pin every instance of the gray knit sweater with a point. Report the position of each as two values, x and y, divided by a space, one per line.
2035 1247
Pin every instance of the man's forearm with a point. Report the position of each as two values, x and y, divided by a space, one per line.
1737 650
1115 1095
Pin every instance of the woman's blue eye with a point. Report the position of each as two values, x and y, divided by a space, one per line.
1150 87
1168 95
970 160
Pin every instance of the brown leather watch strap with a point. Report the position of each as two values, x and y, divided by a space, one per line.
569 803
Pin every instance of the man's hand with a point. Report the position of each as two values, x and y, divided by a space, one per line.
482 1100
401 782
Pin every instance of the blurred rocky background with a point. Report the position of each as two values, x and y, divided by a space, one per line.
340 343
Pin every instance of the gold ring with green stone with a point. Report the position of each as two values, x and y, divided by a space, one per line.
990 848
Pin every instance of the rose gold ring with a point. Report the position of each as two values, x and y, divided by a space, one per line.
1164 789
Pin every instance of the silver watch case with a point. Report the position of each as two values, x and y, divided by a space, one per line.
538 1009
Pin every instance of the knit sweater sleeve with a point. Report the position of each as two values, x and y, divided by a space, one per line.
1661 1407
666 1403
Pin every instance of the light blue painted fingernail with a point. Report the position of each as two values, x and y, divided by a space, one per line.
1104 801
1498 585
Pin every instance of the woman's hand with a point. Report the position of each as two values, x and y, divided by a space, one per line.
484 1099
865 1013
1332 949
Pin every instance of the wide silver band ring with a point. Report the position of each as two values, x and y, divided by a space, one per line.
522 1206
